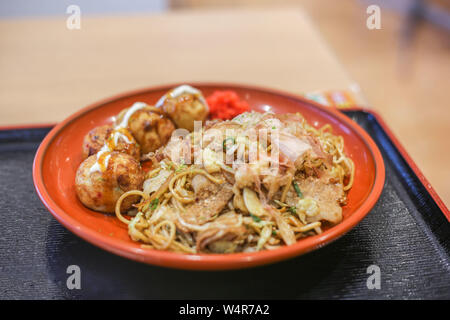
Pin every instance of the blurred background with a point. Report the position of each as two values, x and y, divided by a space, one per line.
402 70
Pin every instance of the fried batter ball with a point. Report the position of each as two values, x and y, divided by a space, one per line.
95 139
100 181
119 140
150 127
185 109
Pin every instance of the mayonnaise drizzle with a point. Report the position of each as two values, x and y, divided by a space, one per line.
135 107
116 135
96 166
178 91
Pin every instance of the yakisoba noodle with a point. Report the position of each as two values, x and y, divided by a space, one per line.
334 145
252 218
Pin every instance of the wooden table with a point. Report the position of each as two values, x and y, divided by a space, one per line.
48 72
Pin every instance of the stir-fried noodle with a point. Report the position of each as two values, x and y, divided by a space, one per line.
228 207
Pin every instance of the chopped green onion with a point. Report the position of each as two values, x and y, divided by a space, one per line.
274 232
297 189
292 210
153 204
255 218
180 168
224 143
166 165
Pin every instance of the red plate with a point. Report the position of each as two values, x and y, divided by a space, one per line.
59 156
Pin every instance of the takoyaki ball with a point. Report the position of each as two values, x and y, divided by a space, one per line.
185 109
150 127
101 181
95 140
120 140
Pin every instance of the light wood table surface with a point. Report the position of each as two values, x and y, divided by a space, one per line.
47 72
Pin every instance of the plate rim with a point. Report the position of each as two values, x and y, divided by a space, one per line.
209 261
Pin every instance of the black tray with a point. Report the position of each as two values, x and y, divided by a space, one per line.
406 235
